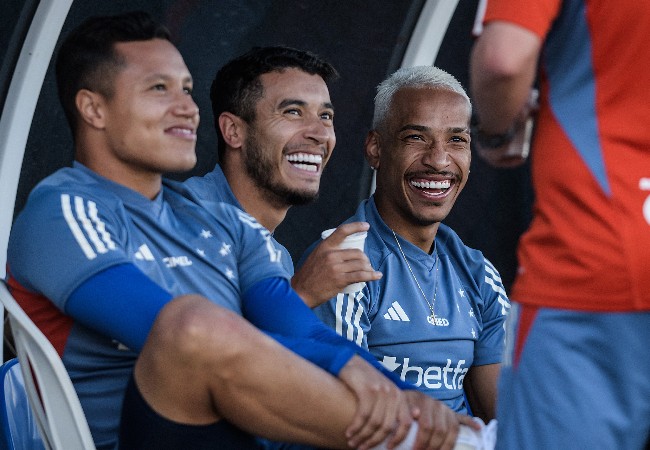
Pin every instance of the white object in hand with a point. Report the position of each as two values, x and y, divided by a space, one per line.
355 240
468 438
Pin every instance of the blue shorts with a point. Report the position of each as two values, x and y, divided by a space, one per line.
573 379
142 428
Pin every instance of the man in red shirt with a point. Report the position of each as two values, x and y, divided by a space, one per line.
576 368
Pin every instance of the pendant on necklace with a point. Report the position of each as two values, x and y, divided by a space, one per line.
437 321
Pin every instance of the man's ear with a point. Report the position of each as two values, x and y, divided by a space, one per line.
372 149
90 106
233 129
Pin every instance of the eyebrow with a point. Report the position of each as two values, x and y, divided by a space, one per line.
423 128
293 101
162 76
413 127
459 129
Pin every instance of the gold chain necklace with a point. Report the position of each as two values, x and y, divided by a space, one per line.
432 318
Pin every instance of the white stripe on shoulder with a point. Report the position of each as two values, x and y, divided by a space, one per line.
496 286
505 305
274 254
337 313
80 210
493 278
66 207
348 317
351 318
100 225
248 220
489 268
357 318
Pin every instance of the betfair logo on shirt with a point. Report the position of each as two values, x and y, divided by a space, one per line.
177 261
433 377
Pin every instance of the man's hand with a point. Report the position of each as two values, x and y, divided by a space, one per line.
382 409
438 425
329 269
514 153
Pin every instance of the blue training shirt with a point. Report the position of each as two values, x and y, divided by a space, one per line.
77 224
389 316
213 187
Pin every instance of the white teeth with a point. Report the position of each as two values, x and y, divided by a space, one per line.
182 130
307 167
431 184
305 157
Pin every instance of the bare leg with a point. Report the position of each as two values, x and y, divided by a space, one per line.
202 363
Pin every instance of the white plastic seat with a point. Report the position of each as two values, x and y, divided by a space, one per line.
52 397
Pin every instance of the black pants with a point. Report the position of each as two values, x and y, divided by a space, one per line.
142 428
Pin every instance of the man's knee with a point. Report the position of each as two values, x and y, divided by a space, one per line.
193 330
194 350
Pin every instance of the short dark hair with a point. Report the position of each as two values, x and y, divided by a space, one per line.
87 57
237 86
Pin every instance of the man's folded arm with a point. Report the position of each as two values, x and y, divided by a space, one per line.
272 305
123 303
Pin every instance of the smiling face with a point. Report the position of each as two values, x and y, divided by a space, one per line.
149 121
291 138
422 156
